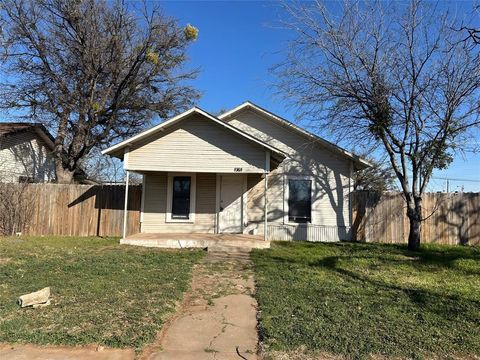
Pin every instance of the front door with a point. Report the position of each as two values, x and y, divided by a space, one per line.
231 207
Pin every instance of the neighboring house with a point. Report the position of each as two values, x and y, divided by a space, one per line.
26 153
206 174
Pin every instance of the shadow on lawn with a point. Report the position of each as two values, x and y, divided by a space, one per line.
445 305
423 259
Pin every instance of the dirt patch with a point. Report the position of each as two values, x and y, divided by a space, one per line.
23 352
299 355
5 261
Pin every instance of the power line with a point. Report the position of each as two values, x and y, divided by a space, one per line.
455 179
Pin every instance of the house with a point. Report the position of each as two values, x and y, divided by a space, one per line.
25 153
220 175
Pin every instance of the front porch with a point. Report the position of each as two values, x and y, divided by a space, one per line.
197 240
195 209
204 183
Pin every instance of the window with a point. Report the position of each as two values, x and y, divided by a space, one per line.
181 197
300 201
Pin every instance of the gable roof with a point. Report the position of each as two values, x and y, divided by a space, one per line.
358 161
12 128
116 149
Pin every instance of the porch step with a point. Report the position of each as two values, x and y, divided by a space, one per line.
228 249
217 242
237 245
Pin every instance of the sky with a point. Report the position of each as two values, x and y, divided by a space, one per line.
239 42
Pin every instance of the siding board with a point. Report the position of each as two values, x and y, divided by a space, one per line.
25 154
330 173
196 145
155 207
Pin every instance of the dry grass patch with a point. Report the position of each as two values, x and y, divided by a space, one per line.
102 293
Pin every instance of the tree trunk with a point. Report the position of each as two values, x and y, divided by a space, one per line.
64 176
414 214
414 234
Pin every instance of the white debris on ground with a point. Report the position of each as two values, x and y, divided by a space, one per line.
35 299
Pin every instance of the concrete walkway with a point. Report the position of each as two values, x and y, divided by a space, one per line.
218 317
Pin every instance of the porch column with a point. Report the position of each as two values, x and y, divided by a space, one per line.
265 210
126 206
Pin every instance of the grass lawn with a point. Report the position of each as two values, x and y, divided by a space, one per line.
102 293
358 300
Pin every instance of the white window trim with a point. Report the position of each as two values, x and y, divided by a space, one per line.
285 199
193 191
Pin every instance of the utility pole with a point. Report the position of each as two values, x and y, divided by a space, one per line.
447 185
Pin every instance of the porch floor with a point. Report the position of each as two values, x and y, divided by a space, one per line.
196 240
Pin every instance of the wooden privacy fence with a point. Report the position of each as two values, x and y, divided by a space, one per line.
451 218
80 210
97 210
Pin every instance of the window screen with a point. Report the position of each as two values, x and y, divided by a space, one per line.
300 201
181 197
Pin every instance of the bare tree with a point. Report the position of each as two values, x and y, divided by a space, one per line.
106 169
17 205
93 71
472 33
103 169
386 73
378 178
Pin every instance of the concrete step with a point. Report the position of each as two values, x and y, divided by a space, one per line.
179 243
228 249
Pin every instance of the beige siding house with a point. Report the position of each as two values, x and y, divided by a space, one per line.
25 153
221 175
